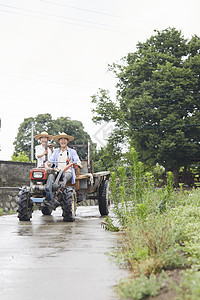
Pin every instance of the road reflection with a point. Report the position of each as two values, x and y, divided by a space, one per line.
52 257
51 235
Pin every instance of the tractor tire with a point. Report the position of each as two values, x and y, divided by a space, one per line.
25 205
68 204
47 210
103 198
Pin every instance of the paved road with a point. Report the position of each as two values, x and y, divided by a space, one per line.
50 259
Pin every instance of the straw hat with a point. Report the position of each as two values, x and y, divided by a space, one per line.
43 134
63 135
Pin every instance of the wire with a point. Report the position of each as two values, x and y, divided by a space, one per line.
92 11
110 27
51 15
103 13
46 81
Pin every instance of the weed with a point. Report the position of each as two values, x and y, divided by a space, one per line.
10 212
109 225
189 288
141 287
151 245
127 188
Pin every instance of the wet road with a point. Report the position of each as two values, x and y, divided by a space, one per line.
50 259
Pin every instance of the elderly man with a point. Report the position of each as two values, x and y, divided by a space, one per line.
40 150
64 158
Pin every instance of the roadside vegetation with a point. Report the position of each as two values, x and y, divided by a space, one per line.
156 110
160 240
10 212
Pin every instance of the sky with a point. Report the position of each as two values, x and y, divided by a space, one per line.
54 54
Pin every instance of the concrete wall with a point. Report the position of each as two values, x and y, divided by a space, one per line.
12 176
15 174
8 199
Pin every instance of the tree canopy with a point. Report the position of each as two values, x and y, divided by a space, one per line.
21 156
45 122
157 105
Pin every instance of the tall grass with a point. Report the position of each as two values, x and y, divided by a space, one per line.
160 227
133 193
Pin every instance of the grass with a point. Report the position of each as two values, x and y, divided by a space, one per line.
161 233
10 212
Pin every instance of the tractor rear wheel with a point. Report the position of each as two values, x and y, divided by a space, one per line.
25 205
68 204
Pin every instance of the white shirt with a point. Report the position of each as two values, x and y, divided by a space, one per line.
38 151
62 160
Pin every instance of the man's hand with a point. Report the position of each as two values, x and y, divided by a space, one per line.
67 167
47 165
78 165
68 160
45 152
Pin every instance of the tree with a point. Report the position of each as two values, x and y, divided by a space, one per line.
22 157
44 122
157 106
107 158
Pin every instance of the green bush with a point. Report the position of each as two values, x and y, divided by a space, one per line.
189 288
141 287
161 230
22 157
152 245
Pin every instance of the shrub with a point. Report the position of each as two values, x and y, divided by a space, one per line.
141 287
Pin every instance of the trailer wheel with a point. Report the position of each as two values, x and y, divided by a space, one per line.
103 198
68 204
25 205
46 210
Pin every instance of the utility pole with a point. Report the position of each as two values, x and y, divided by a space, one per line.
89 156
32 141
0 132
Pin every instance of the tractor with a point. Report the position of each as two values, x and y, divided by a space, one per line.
48 190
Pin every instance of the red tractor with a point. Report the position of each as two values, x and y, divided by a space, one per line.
48 190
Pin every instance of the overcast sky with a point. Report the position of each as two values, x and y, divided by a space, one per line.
54 54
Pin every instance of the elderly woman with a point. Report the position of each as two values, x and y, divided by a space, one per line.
40 151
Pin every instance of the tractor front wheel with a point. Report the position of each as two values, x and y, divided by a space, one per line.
46 210
68 204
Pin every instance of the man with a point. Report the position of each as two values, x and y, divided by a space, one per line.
40 150
65 158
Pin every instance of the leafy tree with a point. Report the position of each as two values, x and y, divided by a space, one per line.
107 158
22 157
44 122
157 106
